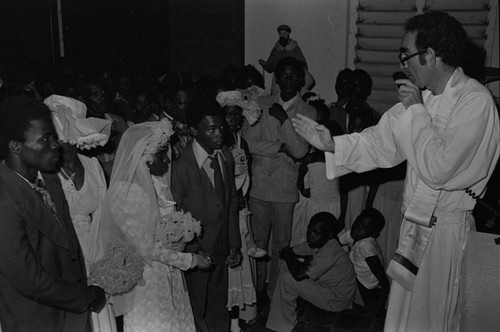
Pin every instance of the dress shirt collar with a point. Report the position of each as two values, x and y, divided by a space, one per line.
39 176
201 154
287 104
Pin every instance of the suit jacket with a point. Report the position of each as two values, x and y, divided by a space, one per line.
274 173
193 192
43 285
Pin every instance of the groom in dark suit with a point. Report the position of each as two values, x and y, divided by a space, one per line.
43 284
203 184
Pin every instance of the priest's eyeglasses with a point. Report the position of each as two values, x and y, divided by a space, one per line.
403 57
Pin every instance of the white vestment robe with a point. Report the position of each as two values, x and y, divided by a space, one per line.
451 142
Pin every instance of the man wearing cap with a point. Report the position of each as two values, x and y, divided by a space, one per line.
284 47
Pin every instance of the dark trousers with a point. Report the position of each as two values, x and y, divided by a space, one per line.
208 294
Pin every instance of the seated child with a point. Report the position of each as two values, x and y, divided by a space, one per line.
365 252
328 281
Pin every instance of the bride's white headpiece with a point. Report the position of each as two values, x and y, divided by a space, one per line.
160 135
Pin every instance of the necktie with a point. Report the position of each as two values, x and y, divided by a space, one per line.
218 180
41 189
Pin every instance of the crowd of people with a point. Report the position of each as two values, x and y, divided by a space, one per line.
294 198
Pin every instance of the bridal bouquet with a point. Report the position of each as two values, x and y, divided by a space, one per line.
119 270
178 226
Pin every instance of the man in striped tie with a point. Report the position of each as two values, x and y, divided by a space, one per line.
43 284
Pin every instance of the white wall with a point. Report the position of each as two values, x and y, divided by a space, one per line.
323 43
321 28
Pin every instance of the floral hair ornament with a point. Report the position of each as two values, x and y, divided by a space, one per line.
160 135
251 109
68 116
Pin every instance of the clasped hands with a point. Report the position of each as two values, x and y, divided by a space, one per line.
204 262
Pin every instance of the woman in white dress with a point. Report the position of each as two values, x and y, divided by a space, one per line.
82 178
242 299
138 198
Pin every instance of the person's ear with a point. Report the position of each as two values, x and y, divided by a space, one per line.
14 147
431 56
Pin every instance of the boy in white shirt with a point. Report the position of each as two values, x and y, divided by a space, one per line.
365 253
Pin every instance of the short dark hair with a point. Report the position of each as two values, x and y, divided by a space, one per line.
441 32
377 219
344 73
329 223
251 72
197 111
16 114
293 63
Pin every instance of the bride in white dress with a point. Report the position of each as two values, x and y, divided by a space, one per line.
138 197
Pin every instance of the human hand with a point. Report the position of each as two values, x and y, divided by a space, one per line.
278 112
99 299
317 135
202 262
235 258
408 93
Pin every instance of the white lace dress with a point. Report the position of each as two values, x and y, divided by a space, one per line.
166 305
83 205
84 202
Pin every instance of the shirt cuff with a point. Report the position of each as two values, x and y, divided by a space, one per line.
194 260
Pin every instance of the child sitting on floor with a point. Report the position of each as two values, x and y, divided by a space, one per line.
328 282
365 252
